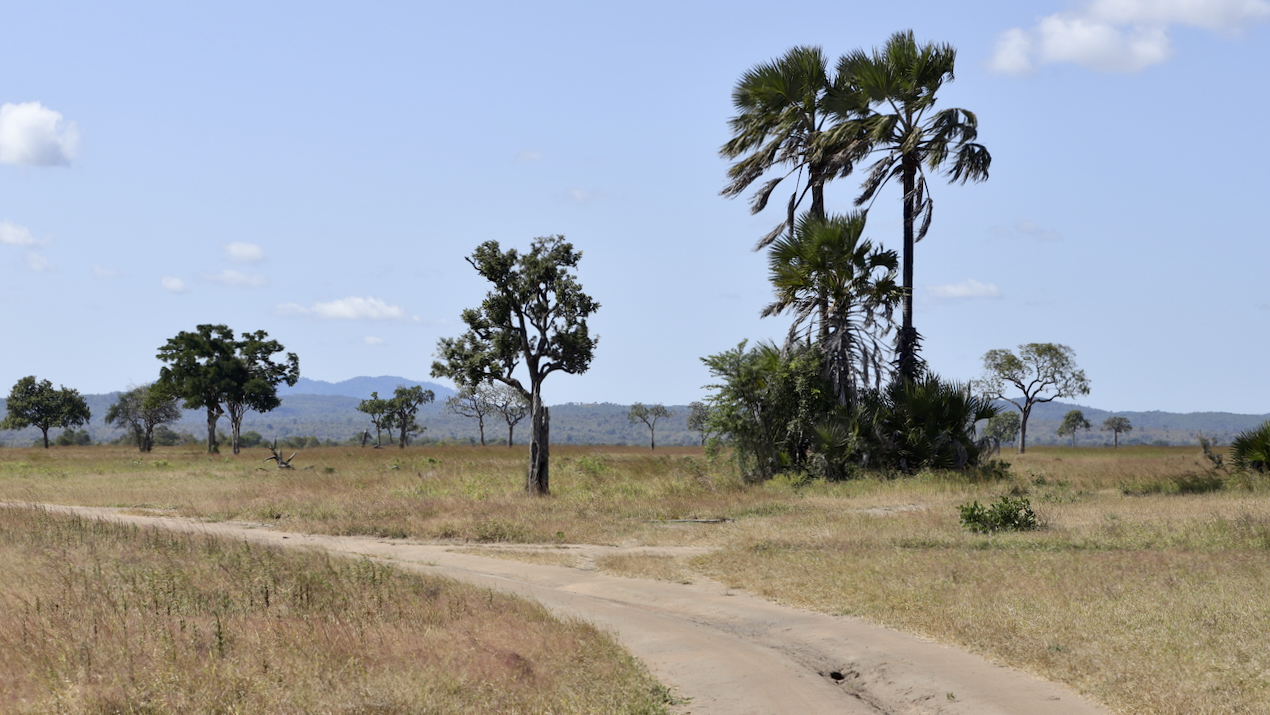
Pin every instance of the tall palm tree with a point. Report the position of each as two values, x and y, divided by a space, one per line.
900 82
843 288
782 111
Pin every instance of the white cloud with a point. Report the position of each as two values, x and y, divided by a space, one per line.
34 135
351 308
970 288
16 235
176 285
38 263
102 272
581 195
237 280
532 155
372 340
1118 35
1029 230
240 252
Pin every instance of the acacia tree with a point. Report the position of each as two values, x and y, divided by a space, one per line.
1074 421
901 79
699 419
535 316
1002 427
259 391
472 402
649 414
209 367
141 410
1116 425
33 403
1041 371
377 410
402 408
509 403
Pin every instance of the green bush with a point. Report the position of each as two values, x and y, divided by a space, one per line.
1250 449
1005 514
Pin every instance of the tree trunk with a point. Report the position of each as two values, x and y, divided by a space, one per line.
907 337
1023 428
45 430
652 437
1116 436
235 425
212 416
511 428
480 421
538 483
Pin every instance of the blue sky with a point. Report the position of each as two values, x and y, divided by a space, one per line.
320 170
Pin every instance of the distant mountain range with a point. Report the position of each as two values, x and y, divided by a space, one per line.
328 410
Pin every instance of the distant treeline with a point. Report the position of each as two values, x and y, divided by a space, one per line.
334 418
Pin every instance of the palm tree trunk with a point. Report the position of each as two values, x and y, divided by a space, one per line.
907 337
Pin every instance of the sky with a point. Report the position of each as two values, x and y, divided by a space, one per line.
320 170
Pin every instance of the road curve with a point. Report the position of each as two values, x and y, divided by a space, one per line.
727 652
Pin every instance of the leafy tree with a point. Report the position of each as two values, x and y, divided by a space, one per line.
141 410
258 391
1003 428
1117 426
74 438
902 79
831 279
377 410
1041 371
536 314
33 403
784 108
402 408
473 402
1073 422
699 419
767 405
250 438
509 403
649 414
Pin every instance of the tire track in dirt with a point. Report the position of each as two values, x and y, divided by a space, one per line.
729 653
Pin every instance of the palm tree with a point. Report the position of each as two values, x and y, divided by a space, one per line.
841 286
782 110
901 80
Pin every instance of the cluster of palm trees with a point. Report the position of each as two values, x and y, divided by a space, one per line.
800 125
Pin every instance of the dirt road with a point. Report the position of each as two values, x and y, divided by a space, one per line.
727 652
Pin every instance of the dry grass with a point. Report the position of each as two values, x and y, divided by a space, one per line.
1145 588
105 618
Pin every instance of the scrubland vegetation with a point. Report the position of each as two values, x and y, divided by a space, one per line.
1143 586
105 618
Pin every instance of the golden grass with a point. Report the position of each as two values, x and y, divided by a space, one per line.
1145 587
105 618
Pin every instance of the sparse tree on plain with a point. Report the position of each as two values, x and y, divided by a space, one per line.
902 79
535 313
1003 428
472 402
649 414
141 410
509 403
1043 372
259 391
403 406
1073 422
377 410
699 419
33 403
1116 426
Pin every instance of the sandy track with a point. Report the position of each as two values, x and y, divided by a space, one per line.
730 653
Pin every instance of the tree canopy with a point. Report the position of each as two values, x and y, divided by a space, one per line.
533 318
141 410
649 414
1074 421
34 403
1117 426
1041 371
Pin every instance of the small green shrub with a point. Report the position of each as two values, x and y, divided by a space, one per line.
1005 514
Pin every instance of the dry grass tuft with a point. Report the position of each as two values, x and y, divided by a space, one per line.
104 618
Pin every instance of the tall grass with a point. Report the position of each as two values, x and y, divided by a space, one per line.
104 618
1144 585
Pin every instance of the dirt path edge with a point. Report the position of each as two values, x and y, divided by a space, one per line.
726 652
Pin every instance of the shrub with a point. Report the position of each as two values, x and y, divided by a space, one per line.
1250 449
1005 514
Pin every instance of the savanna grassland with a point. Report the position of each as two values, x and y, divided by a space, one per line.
1144 588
